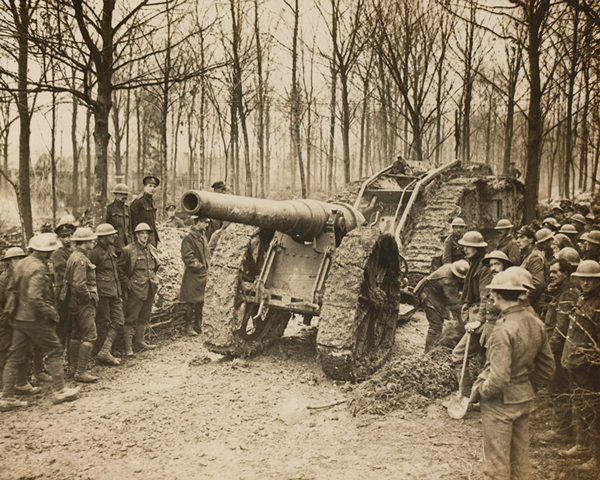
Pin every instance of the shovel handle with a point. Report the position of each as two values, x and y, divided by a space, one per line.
464 365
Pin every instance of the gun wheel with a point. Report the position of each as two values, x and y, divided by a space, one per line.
357 326
230 325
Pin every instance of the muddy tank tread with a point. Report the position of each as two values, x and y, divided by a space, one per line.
358 318
223 309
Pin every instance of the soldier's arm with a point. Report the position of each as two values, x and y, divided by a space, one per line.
134 213
564 309
452 295
544 366
447 255
79 282
188 257
37 292
122 269
536 268
94 256
500 360
514 254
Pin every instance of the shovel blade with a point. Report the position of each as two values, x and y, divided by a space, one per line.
458 406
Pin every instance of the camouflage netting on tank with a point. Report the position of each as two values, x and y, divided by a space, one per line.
410 382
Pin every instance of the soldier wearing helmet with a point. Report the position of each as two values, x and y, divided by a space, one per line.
518 361
579 222
34 319
452 249
439 294
81 293
119 216
506 241
592 246
570 255
551 224
562 295
142 208
138 266
543 240
578 358
560 241
533 261
109 313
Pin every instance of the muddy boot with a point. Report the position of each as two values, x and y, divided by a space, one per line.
42 377
74 346
128 338
23 387
82 375
198 317
104 356
138 339
7 404
189 327
60 392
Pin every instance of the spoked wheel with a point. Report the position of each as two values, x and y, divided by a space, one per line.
359 315
230 325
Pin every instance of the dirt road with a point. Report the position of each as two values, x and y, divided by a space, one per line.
180 412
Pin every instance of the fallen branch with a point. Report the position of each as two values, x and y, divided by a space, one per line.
327 405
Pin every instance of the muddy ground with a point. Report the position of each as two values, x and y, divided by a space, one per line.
179 412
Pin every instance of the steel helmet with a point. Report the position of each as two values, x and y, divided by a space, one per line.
507 280
590 216
14 252
583 238
524 276
588 269
472 239
142 227
557 207
460 268
578 217
503 224
593 237
83 234
551 221
570 255
105 229
543 235
44 242
497 255
458 222
121 188
568 229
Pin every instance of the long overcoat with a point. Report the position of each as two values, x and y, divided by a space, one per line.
196 257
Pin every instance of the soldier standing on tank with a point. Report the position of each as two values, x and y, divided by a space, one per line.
196 257
143 211
137 271
34 321
534 262
518 361
81 292
58 263
119 216
579 358
11 258
439 294
452 249
506 241
109 313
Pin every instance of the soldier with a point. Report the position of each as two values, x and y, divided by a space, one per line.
551 224
513 172
452 248
589 222
172 220
562 294
583 372
119 216
34 321
570 231
137 271
143 211
109 313
559 214
439 294
578 221
534 262
518 361
506 241
81 292
570 255
543 240
196 257
216 225
11 258
560 241
592 246
58 263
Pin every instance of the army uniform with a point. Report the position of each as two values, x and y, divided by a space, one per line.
109 313
535 263
518 361
452 250
196 256
509 246
175 222
119 216
439 294
143 211
58 260
81 292
34 322
137 267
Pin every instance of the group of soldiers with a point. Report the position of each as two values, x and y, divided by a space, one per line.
530 308
80 288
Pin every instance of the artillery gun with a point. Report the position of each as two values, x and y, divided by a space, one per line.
304 257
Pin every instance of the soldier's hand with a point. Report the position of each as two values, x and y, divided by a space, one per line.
475 395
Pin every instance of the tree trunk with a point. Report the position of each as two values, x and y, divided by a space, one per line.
88 158
570 96
75 183
331 151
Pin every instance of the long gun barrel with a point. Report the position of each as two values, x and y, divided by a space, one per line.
301 219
